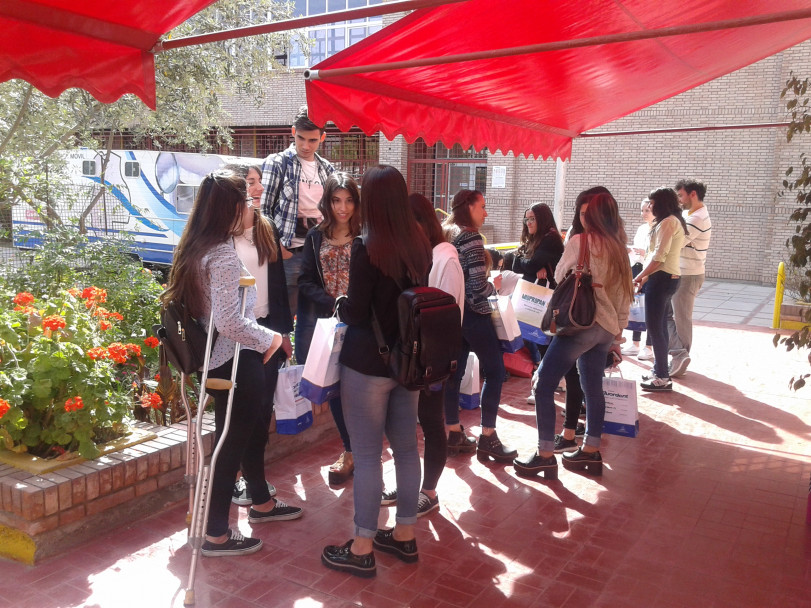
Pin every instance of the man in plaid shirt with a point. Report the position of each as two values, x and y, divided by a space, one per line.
294 182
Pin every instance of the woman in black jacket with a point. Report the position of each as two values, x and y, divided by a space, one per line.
392 255
325 276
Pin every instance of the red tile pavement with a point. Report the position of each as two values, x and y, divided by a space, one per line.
705 508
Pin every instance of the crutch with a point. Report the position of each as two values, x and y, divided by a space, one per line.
205 473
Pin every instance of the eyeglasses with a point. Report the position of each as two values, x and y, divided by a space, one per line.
529 220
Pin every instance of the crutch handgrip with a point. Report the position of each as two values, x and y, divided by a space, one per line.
219 384
247 281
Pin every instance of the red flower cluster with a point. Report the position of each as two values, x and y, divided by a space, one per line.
152 400
152 342
53 322
94 296
117 352
4 407
133 349
24 298
73 404
28 310
97 352
74 292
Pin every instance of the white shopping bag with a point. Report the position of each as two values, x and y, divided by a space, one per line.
636 314
621 412
470 389
294 413
505 323
529 302
321 379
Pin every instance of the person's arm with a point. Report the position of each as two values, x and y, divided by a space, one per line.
473 262
568 260
664 236
356 307
224 273
310 283
545 256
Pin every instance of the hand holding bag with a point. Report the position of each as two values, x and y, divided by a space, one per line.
636 314
573 307
294 413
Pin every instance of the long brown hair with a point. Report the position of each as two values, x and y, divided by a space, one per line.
396 244
426 218
215 217
264 241
544 224
339 181
460 210
606 230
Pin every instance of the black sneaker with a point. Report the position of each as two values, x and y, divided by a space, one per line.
562 444
580 430
235 545
405 550
281 512
339 557
426 504
242 496
657 384
389 497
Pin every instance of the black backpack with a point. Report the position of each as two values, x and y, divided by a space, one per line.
427 349
182 338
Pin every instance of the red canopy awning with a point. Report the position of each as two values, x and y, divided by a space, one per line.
102 46
535 102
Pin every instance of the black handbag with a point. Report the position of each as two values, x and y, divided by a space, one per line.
572 307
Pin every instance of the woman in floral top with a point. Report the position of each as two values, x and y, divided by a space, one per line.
325 276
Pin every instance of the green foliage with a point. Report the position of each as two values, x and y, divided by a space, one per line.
798 186
74 324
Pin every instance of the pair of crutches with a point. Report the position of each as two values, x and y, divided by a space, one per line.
198 474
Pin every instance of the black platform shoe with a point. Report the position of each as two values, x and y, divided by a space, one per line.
579 460
537 464
459 442
339 557
405 550
490 446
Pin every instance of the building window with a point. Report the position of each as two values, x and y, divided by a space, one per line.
439 172
327 40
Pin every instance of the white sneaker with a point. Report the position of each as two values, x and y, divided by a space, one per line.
531 399
679 365
630 351
646 354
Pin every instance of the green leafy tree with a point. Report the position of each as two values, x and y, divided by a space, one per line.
797 184
190 84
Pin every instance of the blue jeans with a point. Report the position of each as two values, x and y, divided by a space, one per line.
373 406
658 291
479 336
589 349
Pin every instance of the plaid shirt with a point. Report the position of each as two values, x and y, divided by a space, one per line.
281 174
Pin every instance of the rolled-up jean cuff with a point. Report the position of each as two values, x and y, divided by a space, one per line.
546 446
406 521
364 533
592 441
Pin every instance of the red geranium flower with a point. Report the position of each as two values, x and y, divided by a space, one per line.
117 352
152 400
133 349
4 407
105 325
53 322
73 404
24 298
152 342
97 352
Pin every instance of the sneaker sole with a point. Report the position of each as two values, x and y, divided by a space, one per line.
286 517
657 389
681 368
226 553
434 507
361 572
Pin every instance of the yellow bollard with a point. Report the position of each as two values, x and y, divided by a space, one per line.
778 294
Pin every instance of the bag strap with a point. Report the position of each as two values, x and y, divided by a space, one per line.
583 260
382 348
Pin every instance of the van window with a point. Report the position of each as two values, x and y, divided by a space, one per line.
88 167
132 168
184 197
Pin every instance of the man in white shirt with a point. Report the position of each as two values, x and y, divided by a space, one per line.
693 257
294 182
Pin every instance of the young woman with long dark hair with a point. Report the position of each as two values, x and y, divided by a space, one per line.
660 279
611 272
325 276
205 275
259 249
478 334
391 255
